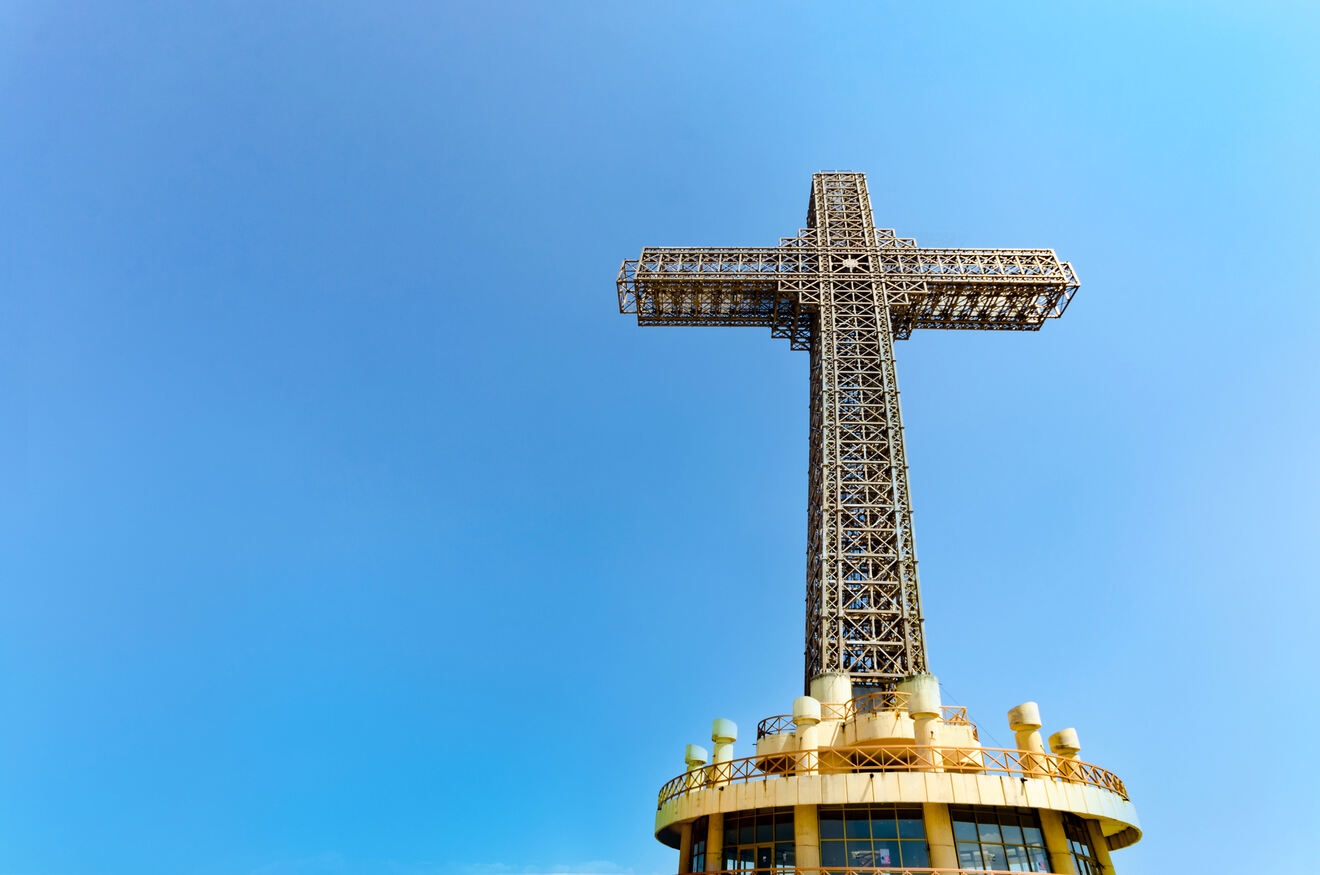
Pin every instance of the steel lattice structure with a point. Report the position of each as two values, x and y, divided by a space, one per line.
845 290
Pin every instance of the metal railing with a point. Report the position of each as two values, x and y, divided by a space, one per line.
879 700
868 703
784 722
896 758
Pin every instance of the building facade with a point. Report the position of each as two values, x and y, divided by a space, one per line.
892 781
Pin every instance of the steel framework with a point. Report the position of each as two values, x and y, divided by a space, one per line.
845 291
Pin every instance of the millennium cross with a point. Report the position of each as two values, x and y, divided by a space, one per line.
845 290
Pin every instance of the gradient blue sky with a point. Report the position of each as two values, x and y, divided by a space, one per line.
346 528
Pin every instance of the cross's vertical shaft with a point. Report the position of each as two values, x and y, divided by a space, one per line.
863 600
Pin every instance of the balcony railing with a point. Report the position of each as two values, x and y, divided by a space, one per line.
897 758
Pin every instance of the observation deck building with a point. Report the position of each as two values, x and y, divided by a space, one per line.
892 781
870 772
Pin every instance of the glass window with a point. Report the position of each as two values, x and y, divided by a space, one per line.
871 836
1006 839
915 854
831 823
698 858
1079 844
761 840
911 828
964 831
969 856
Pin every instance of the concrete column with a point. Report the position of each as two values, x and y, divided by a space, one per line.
684 848
1065 745
1056 842
723 733
1101 845
939 835
715 842
806 717
924 709
806 837
1024 720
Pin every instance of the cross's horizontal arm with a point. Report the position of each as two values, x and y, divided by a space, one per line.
1004 289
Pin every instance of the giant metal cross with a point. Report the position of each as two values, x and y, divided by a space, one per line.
845 290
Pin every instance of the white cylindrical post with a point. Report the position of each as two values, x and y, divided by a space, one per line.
832 687
1066 747
723 733
695 756
1024 720
924 709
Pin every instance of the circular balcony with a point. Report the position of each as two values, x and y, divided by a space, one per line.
894 758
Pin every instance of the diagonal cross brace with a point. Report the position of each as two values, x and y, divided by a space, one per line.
845 291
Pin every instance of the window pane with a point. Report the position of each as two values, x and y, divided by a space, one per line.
989 831
765 831
1040 862
1012 834
886 853
969 856
857 825
747 856
1017 858
964 831
884 827
911 828
831 824
730 836
764 856
994 857
831 854
784 829
915 854
1032 835
745 833
860 854
785 854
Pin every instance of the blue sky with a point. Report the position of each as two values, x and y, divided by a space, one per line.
345 527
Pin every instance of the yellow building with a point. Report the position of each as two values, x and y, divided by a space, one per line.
892 780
